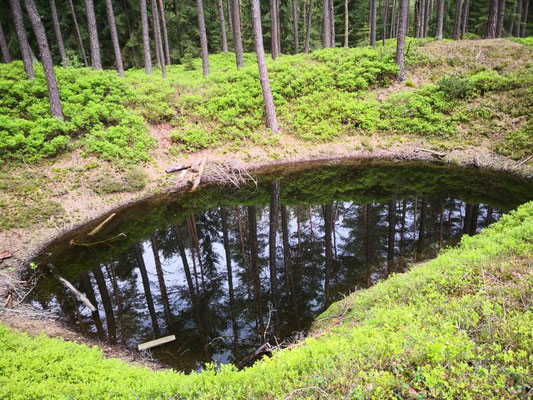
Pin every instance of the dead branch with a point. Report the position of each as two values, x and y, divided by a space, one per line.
101 225
71 288
181 167
107 241
234 176
305 389
200 173
261 350
432 152
525 160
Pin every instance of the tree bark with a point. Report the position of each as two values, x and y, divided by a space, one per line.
346 23
237 36
6 57
114 36
400 41
273 30
501 12
440 18
165 32
524 20
392 19
326 24
203 37
457 22
270 111
492 20
466 14
295 25
108 307
157 39
230 17
146 38
146 285
511 23
46 58
93 35
308 28
518 21
78 34
25 49
385 17
59 36
223 36
372 20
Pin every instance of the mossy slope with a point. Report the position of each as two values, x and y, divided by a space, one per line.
460 326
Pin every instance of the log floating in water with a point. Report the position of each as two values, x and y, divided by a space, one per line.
71 287
101 225
156 342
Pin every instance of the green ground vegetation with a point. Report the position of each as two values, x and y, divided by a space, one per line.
459 326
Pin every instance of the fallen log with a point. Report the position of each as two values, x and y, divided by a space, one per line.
79 295
156 342
200 173
264 349
101 225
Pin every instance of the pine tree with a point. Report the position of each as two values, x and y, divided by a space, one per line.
146 38
237 36
25 48
203 37
6 57
93 35
59 36
78 34
114 36
400 41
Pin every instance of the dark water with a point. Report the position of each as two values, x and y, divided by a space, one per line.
219 268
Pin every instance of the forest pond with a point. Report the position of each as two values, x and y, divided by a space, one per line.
224 268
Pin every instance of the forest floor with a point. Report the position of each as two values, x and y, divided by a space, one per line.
40 200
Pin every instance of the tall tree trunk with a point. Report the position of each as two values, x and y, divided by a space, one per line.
6 57
385 18
146 285
466 14
427 17
223 36
501 12
511 22
157 39
440 18
270 111
25 49
278 26
165 32
289 279
230 17
227 252
108 306
295 25
308 28
237 36
146 38
392 20
59 36
523 25
346 24
492 20
78 34
203 37
116 293
89 291
46 58
518 21
273 30
326 24
392 232
372 21
114 36
457 22
332 24
93 35
328 219
400 41
252 221
272 246
162 284
422 231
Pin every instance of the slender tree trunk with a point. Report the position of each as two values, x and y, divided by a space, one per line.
273 30
146 285
237 36
326 24
295 25
400 41
230 17
392 20
59 36
457 22
422 231
252 221
524 20
93 35
157 39
427 17
466 14
116 294
492 20
6 57
78 34
328 219
392 233
203 37
162 284
25 49
272 236
278 26
165 32
332 24
308 28
372 19
227 251
89 291
114 36
511 23
223 36
270 111
518 22
289 279
440 18
46 58
501 12
385 18
146 38
108 306
346 24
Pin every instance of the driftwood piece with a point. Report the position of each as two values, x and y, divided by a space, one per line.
156 342
181 167
79 295
432 152
106 241
264 349
200 173
101 225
